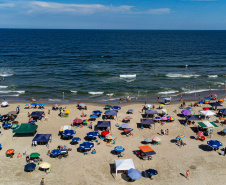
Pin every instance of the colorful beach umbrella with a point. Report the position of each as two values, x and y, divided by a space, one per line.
186 112
68 133
224 130
77 120
199 133
56 105
104 133
86 145
82 104
67 111
34 155
134 174
189 108
214 143
108 106
34 104
128 130
109 136
128 117
170 118
41 104
162 105
164 118
93 134
180 136
200 102
10 151
14 125
148 105
220 100
27 105
55 152
76 139
86 121
156 139
151 172
6 125
157 118
119 149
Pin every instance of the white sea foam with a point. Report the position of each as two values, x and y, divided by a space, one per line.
110 94
128 81
168 92
6 92
5 75
197 91
218 83
14 95
54 100
3 87
128 76
96 93
179 75
74 91
212 76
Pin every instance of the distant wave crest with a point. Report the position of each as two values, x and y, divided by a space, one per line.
179 75
96 93
128 76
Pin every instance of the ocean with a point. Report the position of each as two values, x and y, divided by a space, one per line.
106 65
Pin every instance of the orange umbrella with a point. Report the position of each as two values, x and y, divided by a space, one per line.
220 100
10 151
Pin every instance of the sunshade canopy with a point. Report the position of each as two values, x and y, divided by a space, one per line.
192 118
42 137
145 148
124 164
207 113
111 113
134 174
25 128
36 114
216 104
147 121
30 167
207 124
45 165
103 124
76 139
223 111
151 112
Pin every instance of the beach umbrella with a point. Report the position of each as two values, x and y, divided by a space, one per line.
104 133
5 104
27 105
77 120
32 122
134 174
68 133
110 113
128 130
124 126
200 102
79 103
186 112
67 111
93 134
14 125
156 139
86 145
199 133
189 108
109 136
206 108
180 136
76 139
97 112
56 105
55 152
41 104
130 110
151 172
34 104
214 143
82 104
224 130
34 155
108 106
148 105
86 121
10 151
161 105
220 100
164 118
128 117
116 108
157 118
119 149
30 167
148 140
93 116
6 125
170 118
45 165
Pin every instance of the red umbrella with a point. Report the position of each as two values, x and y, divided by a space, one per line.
77 120
10 151
104 133
206 108
79 102
199 133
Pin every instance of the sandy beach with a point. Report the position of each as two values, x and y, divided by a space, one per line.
171 161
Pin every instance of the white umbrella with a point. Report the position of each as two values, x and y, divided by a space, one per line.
148 140
5 104
148 105
208 113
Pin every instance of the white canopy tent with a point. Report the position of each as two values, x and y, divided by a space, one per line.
124 164
65 127
208 113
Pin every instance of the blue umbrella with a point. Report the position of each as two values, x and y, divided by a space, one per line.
93 134
110 113
224 130
189 108
200 102
116 108
32 122
97 112
34 104
86 145
134 174
152 172
94 116
208 98
0 146
119 149
41 104
214 143
76 139
6 125
30 167
124 126
68 133
55 152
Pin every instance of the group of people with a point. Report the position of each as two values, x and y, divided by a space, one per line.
164 132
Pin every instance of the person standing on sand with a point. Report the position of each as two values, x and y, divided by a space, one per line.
167 132
161 132
42 182
158 98
187 174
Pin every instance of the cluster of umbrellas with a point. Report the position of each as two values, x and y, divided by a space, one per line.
135 174
164 118
35 104
78 121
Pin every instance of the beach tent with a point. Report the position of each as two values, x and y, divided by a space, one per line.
124 164
192 118
37 114
223 111
207 113
25 128
103 124
207 124
110 113
42 138
147 122
151 112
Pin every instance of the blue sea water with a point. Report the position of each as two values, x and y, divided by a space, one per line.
89 65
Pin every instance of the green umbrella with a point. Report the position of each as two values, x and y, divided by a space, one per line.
14 125
34 155
108 106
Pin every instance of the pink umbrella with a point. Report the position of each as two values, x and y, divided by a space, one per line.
199 133
77 120
163 118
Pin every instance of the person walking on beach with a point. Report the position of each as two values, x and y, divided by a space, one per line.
42 182
167 132
187 174
161 132
48 111
158 98
120 100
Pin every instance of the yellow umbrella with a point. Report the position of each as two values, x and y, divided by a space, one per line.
45 165
162 105
67 111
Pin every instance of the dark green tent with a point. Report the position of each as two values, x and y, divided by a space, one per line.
25 128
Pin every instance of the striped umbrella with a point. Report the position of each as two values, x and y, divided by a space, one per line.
86 121
27 105
180 136
128 130
109 136
170 118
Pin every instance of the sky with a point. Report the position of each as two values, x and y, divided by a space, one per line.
114 14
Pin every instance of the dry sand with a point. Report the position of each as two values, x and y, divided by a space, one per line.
206 167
